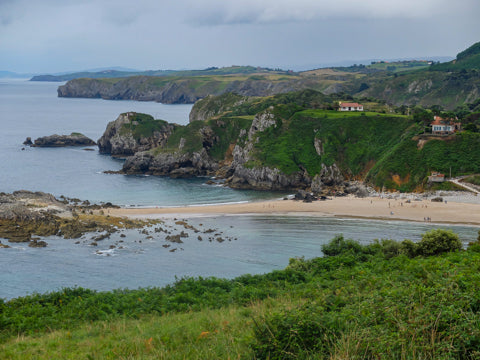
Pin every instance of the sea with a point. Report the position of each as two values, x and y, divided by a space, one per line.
131 259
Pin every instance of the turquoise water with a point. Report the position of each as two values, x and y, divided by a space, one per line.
254 244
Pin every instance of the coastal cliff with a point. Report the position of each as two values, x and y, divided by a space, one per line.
223 146
168 90
423 84
133 132
290 141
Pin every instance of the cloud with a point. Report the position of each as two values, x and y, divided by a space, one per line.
69 34
229 12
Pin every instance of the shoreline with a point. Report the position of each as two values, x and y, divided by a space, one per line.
373 208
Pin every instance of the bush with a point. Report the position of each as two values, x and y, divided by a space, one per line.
438 241
391 248
339 246
409 248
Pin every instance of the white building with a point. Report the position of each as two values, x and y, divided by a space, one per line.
350 107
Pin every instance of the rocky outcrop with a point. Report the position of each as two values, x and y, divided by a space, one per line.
237 172
125 137
176 165
265 178
30 206
328 176
261 178
74 139
25 214
28 141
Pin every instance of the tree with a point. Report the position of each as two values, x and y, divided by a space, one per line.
471 127
425 117
436 109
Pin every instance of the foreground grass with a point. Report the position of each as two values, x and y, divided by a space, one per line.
210 334
359 302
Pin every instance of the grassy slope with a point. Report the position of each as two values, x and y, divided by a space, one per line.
371 146
351 140
448 84
461 155
226 131
399 66
143 125
355 305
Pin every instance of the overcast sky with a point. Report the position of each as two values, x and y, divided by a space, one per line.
50 36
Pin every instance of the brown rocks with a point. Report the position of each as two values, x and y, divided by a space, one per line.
4 246
74 139
24 214
28 141
37 244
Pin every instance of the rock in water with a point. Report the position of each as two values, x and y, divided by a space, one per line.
74 139
28 141
37 243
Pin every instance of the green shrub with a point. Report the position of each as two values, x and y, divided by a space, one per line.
390 248
438 241
409 248
339 246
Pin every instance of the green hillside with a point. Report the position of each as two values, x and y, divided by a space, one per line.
383 300
468 59
387 150
411 83
350 140
448 85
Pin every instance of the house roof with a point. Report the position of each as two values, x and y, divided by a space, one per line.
440 121
350 105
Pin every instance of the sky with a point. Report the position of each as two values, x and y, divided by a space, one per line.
50 36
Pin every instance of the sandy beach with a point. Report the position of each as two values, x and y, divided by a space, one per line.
449 212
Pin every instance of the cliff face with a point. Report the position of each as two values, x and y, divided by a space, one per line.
174 91
175 165
261 177
227 148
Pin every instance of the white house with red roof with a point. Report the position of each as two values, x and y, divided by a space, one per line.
441 126
344 106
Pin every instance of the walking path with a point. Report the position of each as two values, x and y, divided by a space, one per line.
465 186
